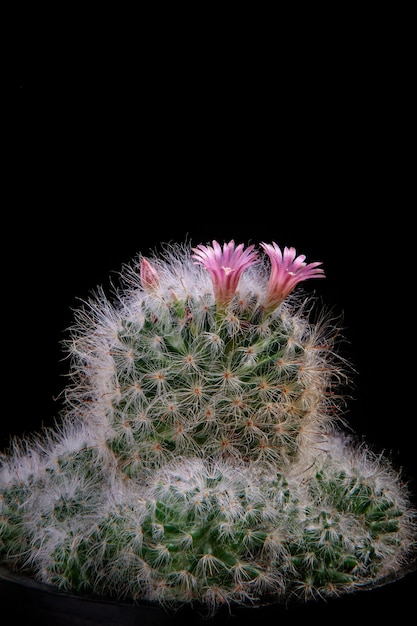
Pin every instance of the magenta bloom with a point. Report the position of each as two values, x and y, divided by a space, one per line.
225 266
287 270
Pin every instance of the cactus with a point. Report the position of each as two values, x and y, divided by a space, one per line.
199 457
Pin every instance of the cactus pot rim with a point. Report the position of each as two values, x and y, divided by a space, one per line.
22 594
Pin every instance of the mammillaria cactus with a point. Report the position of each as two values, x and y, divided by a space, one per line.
198 458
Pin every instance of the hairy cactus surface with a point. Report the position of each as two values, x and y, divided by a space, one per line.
199 457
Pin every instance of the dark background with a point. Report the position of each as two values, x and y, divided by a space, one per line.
104 163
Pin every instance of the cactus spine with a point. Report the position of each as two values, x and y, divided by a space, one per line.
198 458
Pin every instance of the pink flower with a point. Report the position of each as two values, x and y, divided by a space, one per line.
148 276
287 271
225 266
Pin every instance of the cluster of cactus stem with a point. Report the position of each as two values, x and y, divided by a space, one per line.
198 458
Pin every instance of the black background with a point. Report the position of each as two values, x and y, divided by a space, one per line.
317 156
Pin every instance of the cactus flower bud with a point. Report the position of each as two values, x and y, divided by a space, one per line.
148 276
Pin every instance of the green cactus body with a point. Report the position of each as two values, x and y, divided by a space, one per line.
357 525
197 458
183 378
